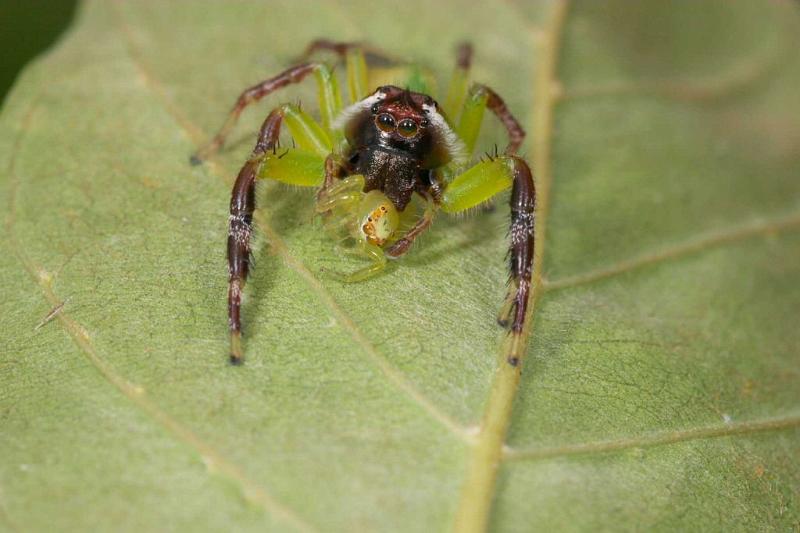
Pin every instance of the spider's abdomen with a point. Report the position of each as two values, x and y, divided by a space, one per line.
393 172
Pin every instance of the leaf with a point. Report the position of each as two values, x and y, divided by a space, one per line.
660 389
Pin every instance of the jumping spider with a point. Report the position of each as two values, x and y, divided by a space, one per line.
369 158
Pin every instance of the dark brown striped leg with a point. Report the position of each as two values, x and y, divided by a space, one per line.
404 243
240 225
255 93
516 135
523 201
341 48
337 47
334 170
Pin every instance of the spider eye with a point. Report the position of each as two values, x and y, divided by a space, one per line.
385 122
407 128
375 108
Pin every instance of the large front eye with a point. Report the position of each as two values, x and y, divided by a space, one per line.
385 122
407 128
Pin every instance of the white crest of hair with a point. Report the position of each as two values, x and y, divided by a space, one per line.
354 109
455 146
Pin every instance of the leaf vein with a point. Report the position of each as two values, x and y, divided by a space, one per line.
790 222
657 439
136 394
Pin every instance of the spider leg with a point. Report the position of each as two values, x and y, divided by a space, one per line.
479 98
329 101
371 251
243 203
457 89
341 48
334 170
297 167
357 74
357 56
346 192
355 64
477 185
403 244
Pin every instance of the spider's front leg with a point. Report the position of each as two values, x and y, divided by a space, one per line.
240 225
477 185
302 166
330 101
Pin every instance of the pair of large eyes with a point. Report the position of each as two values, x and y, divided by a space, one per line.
406 127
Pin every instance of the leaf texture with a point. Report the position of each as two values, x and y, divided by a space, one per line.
660 387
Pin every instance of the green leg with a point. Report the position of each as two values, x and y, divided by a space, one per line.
370 251
469 123
344 194
361 79
478 184
292 166
480 98
304 163
308 135
357 75
457 89
329 97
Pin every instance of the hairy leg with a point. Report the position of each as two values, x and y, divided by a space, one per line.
334 170
516 135
329 100
480 98
477 185
521 231
240 225
341 48
355 60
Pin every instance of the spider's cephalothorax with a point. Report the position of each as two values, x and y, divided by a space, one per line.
370 158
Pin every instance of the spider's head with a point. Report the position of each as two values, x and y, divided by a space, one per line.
397 119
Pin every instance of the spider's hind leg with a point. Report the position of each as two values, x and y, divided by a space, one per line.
479 184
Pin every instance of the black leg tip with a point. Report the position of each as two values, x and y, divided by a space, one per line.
195 160
513 360
503 323
236 358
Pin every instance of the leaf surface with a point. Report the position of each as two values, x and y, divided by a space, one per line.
660 388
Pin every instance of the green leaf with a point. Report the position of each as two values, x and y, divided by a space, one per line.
660 389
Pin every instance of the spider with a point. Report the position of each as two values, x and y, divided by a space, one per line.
368 159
